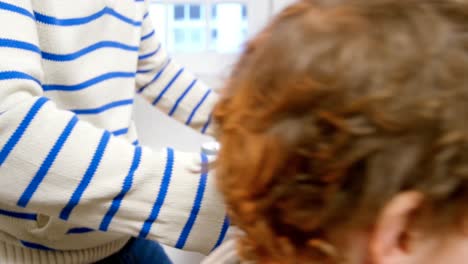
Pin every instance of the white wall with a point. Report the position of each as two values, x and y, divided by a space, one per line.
158 130
280 4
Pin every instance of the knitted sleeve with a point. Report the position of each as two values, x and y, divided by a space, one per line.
170 87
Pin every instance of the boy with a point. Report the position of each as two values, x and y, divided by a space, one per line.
344 135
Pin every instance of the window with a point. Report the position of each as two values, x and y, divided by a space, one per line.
214 33
186 31
179 35
179 12
192 26
206 36
195 13
213 11
230 25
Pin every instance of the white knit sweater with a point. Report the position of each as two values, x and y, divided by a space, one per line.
73 186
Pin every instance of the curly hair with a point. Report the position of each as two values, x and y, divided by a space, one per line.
332 110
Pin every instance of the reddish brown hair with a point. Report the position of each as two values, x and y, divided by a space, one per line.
335 108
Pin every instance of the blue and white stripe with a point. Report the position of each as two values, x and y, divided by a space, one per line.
166 180
70 84
125 188
196 205
75 199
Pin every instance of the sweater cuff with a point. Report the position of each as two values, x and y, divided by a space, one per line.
186 210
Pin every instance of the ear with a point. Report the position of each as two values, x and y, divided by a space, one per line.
388 240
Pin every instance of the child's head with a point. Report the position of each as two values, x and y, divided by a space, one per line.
344 133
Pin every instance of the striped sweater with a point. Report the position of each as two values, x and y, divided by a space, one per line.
75 184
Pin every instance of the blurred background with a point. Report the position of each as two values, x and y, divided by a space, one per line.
205 37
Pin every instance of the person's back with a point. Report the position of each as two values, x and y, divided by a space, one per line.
344 135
